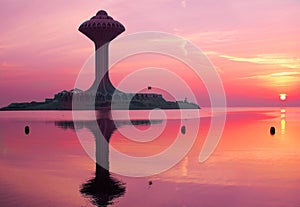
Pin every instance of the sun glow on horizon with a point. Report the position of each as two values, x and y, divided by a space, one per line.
282 96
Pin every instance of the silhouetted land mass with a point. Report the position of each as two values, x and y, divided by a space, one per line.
86 101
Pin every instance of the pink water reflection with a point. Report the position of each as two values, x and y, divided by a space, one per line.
249 167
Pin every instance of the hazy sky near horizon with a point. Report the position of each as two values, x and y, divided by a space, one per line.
254 45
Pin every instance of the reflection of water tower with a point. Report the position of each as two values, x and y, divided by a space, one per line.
102 29
103 188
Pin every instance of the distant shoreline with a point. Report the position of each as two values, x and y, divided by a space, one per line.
77 99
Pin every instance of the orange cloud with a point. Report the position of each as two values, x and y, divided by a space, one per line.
280 60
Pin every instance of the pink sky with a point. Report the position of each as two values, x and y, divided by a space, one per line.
254 45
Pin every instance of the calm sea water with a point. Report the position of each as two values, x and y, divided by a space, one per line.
54 165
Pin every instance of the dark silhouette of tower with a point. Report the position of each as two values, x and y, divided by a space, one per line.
102 29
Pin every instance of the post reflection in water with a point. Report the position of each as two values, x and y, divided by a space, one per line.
103 188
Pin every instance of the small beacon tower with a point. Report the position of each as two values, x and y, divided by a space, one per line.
102 29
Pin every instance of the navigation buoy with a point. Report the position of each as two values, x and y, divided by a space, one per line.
183 129
27 130
272 130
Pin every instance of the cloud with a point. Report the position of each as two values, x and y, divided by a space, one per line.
286 78
281 60
5 64
290 73
211 53
213 36
183 3
270 75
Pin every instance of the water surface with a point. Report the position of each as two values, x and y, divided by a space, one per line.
49 166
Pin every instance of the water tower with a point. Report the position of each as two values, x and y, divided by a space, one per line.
102 29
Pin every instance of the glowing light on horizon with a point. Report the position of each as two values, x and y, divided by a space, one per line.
282 96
